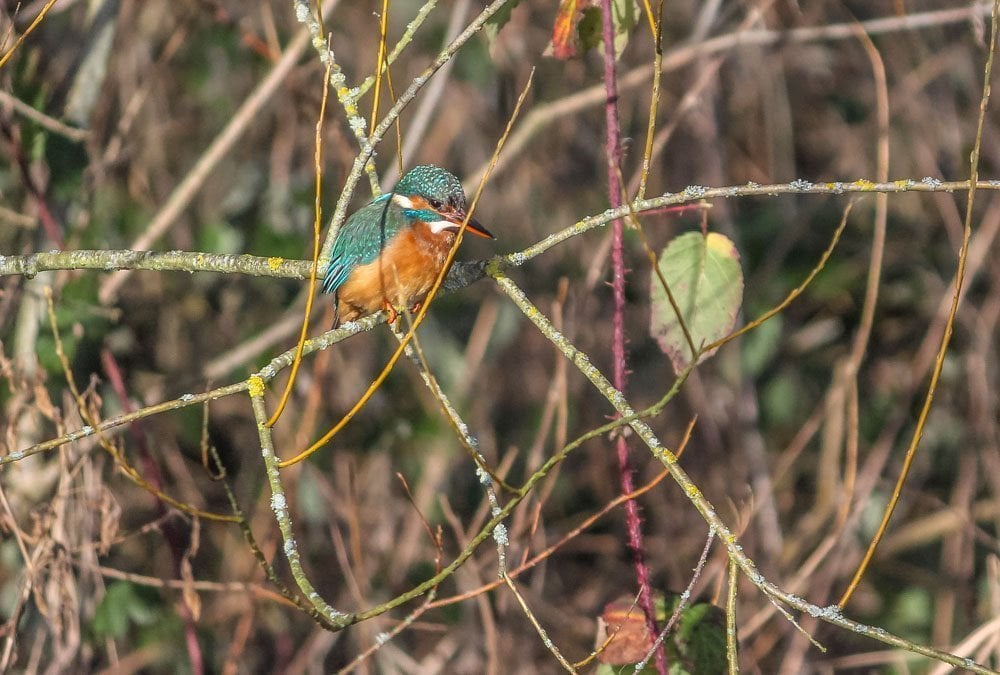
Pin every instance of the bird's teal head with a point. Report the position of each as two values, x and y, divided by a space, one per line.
435 196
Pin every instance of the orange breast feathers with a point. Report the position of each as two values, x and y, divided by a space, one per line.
402 276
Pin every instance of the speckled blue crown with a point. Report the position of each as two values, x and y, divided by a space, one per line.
432 182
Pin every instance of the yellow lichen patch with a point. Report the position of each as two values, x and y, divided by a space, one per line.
864 184
273 263
256 387
665 456
901 184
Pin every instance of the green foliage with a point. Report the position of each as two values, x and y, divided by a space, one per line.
699 644
625 16
220 237
125 606
781 398
499 20
760 346
273 243
476 67
911 613
589 28
310 500
77 319
704 276
68 162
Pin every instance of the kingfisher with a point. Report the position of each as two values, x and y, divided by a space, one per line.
389 252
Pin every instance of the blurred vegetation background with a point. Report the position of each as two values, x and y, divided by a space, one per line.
107 107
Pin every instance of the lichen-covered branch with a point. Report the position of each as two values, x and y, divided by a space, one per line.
462 273
832 614
178 261
329 616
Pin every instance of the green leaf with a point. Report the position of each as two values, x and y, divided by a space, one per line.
220 237
589 28
760 346
704 276
125 604
493 25
701 640
566 44
781 398
625 14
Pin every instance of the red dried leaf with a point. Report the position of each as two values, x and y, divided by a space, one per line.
631 642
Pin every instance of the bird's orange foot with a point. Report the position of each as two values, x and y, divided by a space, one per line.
391 311
416 308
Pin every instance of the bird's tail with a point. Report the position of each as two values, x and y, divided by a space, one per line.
336 312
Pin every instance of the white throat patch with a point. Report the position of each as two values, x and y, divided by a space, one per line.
438 226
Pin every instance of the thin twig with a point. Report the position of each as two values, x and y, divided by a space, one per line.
618 401
681 602
731 639
242 120
43 120
317 219
963 253
461 274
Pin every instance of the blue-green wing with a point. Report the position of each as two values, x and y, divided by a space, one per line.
361 238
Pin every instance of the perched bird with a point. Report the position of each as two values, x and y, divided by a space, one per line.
390 251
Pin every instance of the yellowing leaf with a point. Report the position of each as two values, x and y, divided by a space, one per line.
578 26
704 276
564 29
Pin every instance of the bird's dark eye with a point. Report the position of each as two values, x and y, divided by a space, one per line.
435 204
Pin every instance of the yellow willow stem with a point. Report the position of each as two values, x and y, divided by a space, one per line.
27 32
963 255
418 319
381 61
318 208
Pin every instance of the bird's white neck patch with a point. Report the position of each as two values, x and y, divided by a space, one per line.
436 226
403 201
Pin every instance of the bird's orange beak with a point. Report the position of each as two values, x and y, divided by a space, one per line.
474 226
